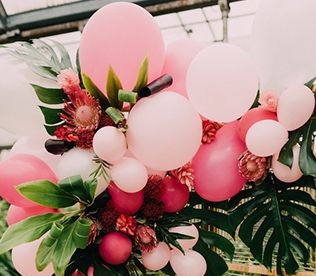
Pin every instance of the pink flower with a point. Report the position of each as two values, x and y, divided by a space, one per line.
145 238
68 80
269 101
126 224
185 174
209 131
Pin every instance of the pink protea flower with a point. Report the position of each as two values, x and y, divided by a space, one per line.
253 167
126 224
145 238
68 80
83 113
269 101
185 174
209 130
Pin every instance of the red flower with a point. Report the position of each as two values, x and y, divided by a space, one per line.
153 210
145 238
209 130
126 224
66 133
107 218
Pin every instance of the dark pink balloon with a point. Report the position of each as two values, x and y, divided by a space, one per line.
251 117
174 194
127 203
216 166
16 214
115 248
18 169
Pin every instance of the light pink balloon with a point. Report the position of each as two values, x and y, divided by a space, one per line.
16 214
189 231
295 106
129 175
266 137
18 169
164 131
23 258
283 172
222 83
179 55
192 263
157 258
213 161
109 143
121 35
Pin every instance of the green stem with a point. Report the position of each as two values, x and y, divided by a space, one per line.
127 96
115 114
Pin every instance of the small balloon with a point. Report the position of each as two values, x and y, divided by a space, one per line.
283 172
266 137
129 175
218 73
189 231
295 106
157 258
192 263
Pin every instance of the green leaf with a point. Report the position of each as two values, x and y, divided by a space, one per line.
113 85
27 230
142 75
44 71
47 194
94 91
74 236
51 115
307 160
74 185
286 153
90 187
275 218
46 249
49 95
79 68
65 58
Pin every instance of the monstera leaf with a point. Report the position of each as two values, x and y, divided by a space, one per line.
275 218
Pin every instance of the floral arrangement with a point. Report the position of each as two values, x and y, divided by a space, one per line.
133 180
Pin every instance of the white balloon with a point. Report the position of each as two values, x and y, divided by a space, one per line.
157 258
190 230
295 106
284 43
76 162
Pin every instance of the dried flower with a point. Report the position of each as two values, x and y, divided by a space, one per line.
269 101
153 187
126 224
209 131
107 218
94 231
68 80
184 174
153 210
252 167
145 238
106 120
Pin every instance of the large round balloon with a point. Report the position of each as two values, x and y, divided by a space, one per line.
121 35
222 82
164 131
296 105
179 55
284 59
18 169
213 162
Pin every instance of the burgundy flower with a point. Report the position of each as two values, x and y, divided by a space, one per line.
153 187
145 238
209 130
153 210
66 133
126 224
85 139
107 218
106 120
185 174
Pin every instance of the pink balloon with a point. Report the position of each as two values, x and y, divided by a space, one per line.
283 172
222 83
18 169
121 35
164 131
179 55
23 258
157 258
129 175
109 136
189 231
266 137
213 161
16 214
192 263
295 106
251 117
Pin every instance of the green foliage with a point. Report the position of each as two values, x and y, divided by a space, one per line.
113 85
142 75
275 218
49 95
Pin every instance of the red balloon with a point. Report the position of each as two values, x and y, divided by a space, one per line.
216 174
251 117
174 194
16 214
115 248
18 169
127 203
